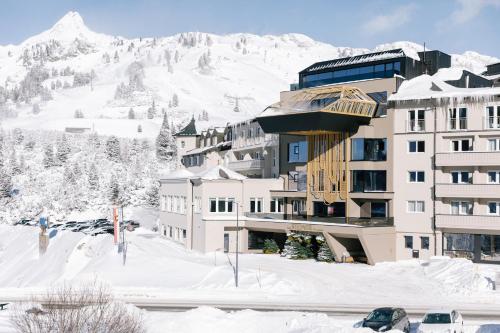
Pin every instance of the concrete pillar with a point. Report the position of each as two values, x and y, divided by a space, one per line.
335 246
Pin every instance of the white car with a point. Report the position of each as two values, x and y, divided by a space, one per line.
442 321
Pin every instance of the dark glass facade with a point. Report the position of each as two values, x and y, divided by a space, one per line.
369 180
369 149
377 71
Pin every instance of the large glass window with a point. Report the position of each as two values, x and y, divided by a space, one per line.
369 180
457 118
378 209
255 205
276 205
297 152
369 149
416 120
490 247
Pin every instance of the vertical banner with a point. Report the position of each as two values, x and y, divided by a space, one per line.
115 224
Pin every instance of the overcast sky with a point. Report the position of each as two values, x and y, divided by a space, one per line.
452 26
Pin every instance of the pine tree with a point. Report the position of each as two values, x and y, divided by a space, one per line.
116 58
131 114
164 141
324 252
270 246
175 100
93 177
48 157
5 184
236 106
114 190
63 149
153 195
113 148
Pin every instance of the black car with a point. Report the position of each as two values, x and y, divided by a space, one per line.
385 319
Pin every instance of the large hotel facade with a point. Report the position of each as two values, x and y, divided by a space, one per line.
387 156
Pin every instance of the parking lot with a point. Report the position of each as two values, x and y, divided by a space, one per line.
89 227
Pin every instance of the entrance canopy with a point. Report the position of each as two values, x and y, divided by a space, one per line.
318 110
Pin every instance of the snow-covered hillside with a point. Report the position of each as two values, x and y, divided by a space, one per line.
104 76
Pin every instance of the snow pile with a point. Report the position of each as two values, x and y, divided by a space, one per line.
158 269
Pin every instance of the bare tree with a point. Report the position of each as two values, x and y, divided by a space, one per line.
88 308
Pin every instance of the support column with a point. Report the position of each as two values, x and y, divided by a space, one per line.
335 246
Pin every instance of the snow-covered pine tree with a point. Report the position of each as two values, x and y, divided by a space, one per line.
175 100
131 114
324 252
93 177
153 194
48 156
236 106
63 149
270 246
114 190
116 57
113 148
164 141
5 183
36 108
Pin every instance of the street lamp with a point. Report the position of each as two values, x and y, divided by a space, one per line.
237 242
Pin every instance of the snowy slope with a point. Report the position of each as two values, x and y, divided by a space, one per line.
205 71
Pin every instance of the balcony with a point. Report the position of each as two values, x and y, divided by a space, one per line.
470 222
467 190
246 165
468 158
359 221
415 125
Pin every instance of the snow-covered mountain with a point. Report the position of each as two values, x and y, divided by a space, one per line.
232 77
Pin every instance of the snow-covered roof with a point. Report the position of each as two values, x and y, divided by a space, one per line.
449 74
215 173
219 172
432 87
188 130
179 174
207 148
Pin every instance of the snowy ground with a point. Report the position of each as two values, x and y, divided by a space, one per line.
207 320
158 269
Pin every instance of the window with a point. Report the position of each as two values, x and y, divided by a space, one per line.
276 205
297 152
494 144
461 145
424 243
409 242
415 206
183 144
221 205
184 233
416 176
461 177
368 181
494 208
416 120
378 209
169 203
255 205
416 146
461 208
494 177
213 205
457 118
492 117
369 149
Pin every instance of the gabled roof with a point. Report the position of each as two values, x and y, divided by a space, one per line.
189 130
362 58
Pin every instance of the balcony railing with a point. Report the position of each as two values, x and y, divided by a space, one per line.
359 221
415 125
473 222
467 190
468 158
244 165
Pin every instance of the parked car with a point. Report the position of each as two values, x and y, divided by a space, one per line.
386 319
445 321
